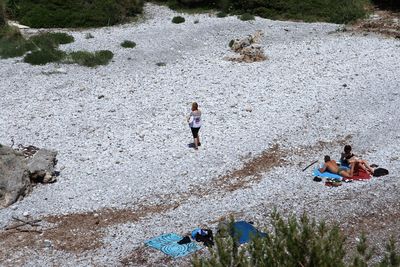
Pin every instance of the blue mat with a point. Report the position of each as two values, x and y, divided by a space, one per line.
316 172
244 231
168 243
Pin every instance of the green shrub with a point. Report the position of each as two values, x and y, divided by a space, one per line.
335 11
89 59
293 242
246 17
44 56
59 37
178 19
128 44
51 40
12 44
73 13
221 14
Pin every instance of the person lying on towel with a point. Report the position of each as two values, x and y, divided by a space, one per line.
332 167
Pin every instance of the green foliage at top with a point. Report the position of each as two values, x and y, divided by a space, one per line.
246 17
73 13
3 20
178 19
295 242
221 14
335 11
128 44
388 4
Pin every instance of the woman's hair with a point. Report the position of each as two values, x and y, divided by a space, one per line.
195 106
347 148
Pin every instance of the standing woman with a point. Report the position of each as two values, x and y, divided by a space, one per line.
194 121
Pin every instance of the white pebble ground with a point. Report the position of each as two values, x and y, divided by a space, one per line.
318 86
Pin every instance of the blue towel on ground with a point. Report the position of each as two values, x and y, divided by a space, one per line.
168 243
316 172
244 231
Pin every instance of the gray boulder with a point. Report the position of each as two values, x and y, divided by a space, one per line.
19 172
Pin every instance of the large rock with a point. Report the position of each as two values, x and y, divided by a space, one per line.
248 48
41 166
14 176
19 171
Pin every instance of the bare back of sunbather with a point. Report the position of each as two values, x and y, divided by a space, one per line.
332 167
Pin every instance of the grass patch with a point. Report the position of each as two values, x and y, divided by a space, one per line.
89 59
178 19
42 46
42 57
73 13
43 49
246 17
128 44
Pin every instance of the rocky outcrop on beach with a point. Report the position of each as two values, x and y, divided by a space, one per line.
248 48
21 169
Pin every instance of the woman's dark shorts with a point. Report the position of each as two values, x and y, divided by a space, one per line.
195 132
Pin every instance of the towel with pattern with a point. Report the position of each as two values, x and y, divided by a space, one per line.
168 243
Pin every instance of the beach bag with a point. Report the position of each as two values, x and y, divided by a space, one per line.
380 172
203 235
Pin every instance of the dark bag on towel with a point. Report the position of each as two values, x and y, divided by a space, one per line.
380 172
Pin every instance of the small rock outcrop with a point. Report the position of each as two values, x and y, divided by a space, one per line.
248 48
21 169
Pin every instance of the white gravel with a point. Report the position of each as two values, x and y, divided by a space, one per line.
131 145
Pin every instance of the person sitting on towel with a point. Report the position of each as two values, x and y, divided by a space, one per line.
351 159
332 167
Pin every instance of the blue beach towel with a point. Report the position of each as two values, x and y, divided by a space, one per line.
316 172
168 243
244 231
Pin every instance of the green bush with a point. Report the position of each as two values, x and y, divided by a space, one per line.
43 47
335 11
293 242
221 14
44 56
128 44
178 19
12 44
73 13
246 17
89 59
